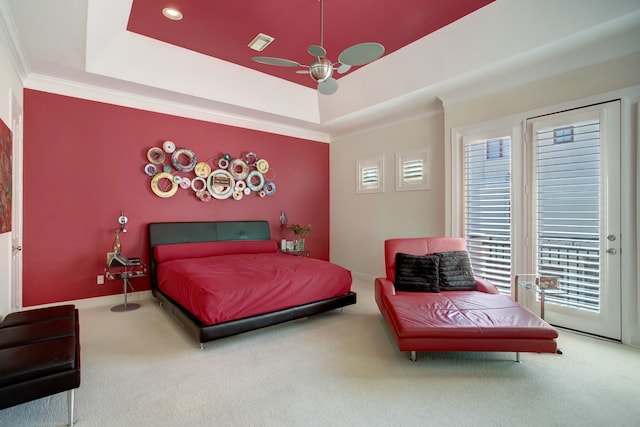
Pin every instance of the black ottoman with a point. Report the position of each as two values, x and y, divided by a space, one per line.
40 355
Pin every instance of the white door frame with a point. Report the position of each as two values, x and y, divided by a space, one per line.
607 321
15 290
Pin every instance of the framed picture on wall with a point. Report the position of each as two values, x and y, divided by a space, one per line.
6 163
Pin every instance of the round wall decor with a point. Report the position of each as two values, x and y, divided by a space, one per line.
220 184
163 185
235 177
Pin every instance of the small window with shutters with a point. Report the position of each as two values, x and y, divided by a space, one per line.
370 175
413 170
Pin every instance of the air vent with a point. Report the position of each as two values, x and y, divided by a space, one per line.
260 42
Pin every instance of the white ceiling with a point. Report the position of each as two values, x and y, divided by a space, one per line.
81 48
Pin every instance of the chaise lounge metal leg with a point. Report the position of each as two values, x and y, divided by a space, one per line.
518 357
71 397
413 356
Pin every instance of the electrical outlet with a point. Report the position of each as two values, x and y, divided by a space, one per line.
100 280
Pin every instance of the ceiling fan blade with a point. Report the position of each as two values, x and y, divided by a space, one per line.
276 61
343 68
361 54
328 87
303 71
317 51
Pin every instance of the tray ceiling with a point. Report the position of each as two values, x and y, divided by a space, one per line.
126 52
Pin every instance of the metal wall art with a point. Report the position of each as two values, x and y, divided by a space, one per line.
225 177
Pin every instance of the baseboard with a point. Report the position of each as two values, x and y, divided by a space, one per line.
363 277
105 301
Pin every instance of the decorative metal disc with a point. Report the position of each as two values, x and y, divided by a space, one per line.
155 155
220 184
159 187
361 54
202 169
276 61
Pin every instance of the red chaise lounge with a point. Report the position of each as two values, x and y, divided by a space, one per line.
456 320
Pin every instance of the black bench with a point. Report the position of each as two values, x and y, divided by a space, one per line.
40 355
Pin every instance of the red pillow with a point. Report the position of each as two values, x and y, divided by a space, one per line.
169 252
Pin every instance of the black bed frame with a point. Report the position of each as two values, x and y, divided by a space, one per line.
189 232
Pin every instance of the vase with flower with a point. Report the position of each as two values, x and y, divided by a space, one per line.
301 232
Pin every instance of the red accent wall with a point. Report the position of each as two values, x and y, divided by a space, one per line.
84 162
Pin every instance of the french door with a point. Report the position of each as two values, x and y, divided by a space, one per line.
549 204
573 159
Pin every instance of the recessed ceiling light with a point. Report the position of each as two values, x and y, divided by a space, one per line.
260 41
171 13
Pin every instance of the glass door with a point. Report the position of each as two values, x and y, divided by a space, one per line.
574 206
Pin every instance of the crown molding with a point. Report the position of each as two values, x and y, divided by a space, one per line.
409 111
128 99
9 37
607 41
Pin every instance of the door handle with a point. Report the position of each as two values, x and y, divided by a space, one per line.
612 251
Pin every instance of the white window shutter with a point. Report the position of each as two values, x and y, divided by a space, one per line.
413 170
370 175
487 210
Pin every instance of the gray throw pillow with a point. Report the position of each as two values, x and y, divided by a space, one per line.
416 273
455 271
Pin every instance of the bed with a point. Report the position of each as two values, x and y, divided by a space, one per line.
224 278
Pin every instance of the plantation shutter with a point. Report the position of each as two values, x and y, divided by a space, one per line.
568 211
412 170
487 202
370 177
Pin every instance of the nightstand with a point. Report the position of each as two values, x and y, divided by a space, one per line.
125 269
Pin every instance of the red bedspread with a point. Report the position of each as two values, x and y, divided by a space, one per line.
227 287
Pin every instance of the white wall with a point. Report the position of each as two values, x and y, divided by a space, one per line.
9 84
361 223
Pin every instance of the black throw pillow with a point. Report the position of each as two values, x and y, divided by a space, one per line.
416 273
454 270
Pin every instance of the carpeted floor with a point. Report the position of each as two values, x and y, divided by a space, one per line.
336 369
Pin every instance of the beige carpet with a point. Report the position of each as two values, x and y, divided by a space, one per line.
337 369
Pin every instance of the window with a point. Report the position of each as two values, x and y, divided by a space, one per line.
562 135
495 149
568 210
487 209
370 177
413 171
550 206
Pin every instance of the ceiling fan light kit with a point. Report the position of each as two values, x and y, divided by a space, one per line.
321 69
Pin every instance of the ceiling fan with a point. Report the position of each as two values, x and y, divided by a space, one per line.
321 69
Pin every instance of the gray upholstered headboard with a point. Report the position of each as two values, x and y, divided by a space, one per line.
191 232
